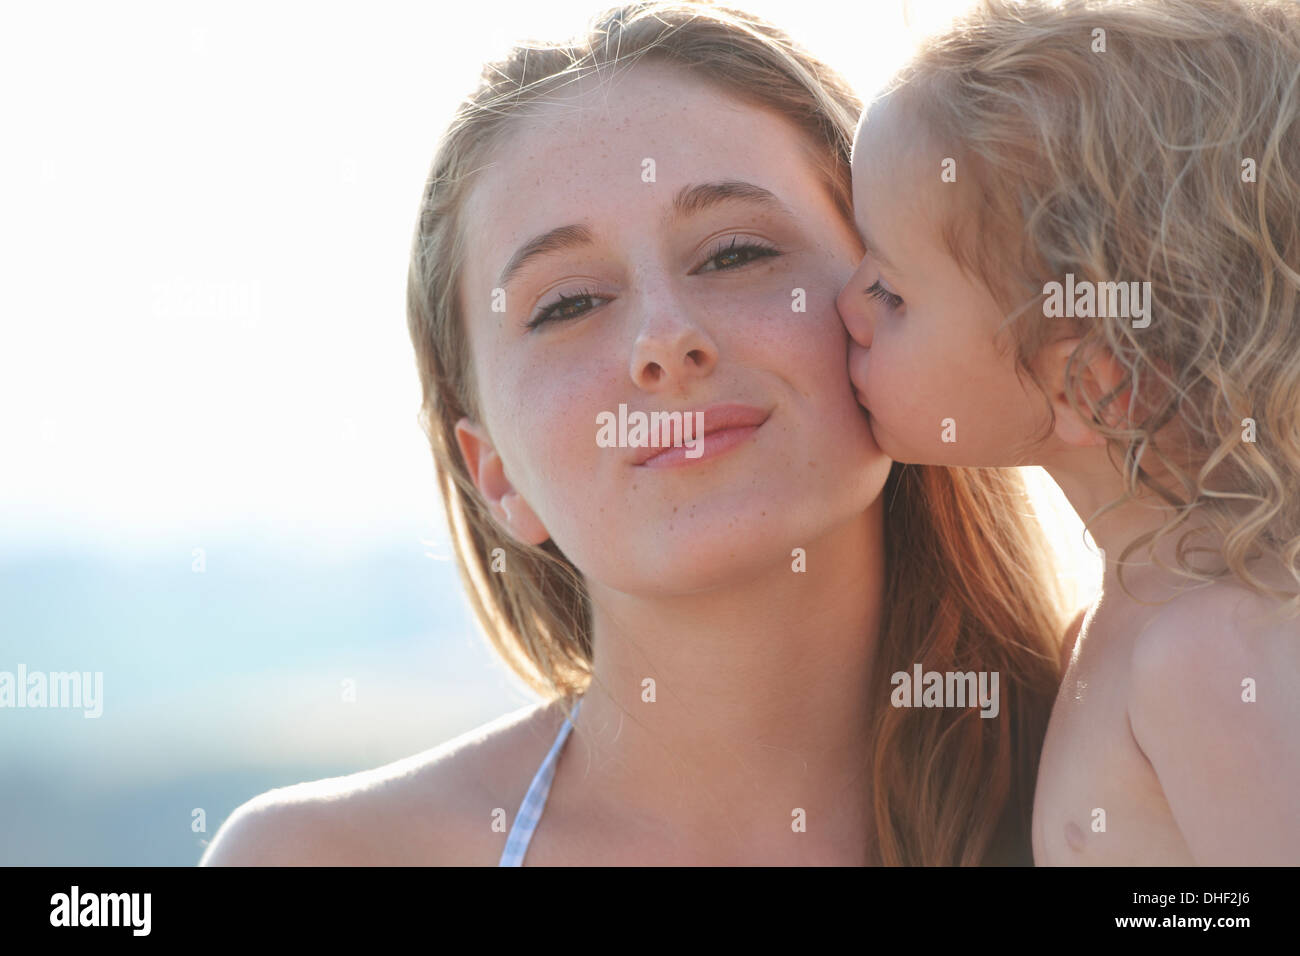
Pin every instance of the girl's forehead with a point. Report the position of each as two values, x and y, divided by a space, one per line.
561 163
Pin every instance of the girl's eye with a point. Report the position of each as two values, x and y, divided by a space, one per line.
877 291
566 307
732 255
735 254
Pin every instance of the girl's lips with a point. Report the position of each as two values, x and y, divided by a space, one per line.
713 445
725 427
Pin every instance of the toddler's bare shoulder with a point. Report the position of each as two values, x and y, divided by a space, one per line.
1200 653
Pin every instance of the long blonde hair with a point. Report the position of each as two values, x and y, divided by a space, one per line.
969 577
1154 141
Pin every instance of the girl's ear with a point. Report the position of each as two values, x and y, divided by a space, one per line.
1098 373
507 506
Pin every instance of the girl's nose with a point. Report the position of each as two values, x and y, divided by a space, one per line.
671 350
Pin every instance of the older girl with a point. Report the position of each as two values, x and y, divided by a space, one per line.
658 216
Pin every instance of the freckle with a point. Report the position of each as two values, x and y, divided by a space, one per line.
1074 836
674 509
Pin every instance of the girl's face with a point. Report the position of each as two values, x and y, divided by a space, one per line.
925 361
649 242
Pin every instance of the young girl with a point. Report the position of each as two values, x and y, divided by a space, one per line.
657 219
1083 232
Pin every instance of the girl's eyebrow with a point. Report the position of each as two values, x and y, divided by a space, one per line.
693 199
562 237
689 201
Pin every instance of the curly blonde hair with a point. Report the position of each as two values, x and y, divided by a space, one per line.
1154 140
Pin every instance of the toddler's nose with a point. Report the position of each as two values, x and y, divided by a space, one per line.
859 361
851 305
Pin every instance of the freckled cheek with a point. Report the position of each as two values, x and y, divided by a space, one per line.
553 415
814 340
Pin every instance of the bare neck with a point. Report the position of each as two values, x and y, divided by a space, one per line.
760 694
1091 482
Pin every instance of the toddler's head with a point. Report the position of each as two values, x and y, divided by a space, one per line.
1083 229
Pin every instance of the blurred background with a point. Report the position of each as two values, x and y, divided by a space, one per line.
213 489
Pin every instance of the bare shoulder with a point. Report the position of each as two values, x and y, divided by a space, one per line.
1215 625
1213 708
433 808
1210 649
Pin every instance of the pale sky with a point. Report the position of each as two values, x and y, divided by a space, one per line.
204 221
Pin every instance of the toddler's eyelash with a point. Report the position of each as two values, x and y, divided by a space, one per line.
877 291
